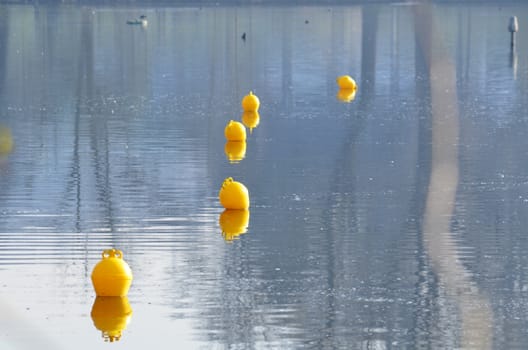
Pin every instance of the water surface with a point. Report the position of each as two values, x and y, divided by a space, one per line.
395 221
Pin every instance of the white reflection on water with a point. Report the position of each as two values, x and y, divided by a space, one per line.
475 311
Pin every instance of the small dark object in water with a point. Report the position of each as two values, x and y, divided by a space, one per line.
142 20
306 22
244 36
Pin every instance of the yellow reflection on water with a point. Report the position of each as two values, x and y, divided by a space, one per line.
111 316
250 119
235 151
233 222
346 95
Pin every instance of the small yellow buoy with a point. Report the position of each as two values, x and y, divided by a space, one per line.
250 102
235 151
111 316
346 82
233 223
346 95
112 276
6 141
235 131
233 195
250 119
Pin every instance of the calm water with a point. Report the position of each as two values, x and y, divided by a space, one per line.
395 221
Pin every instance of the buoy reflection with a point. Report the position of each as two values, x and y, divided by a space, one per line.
234 222
111 315
250 119
235 151
346 95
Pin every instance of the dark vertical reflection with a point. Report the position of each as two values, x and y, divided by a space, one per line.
426 290
464 46
345 206
369 28
83 91
395 51
4 27
336 49
286 61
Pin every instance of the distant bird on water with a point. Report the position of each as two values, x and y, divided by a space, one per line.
244 36
141 20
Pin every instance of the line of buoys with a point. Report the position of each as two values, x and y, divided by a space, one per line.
235 132
233 195
112 276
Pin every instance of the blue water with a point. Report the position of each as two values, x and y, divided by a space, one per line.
394 221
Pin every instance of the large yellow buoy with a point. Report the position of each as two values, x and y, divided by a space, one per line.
235 151
346 82
112 276
250 102
346 95
233 222
111 316
234 195
250 119
235 131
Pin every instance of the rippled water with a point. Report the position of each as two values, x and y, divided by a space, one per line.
395 221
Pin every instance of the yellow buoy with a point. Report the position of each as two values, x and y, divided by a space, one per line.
250 102
346 95
346 82
112 276
6 141
251 119
111 316
233 222
235 131
235 151
233 195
